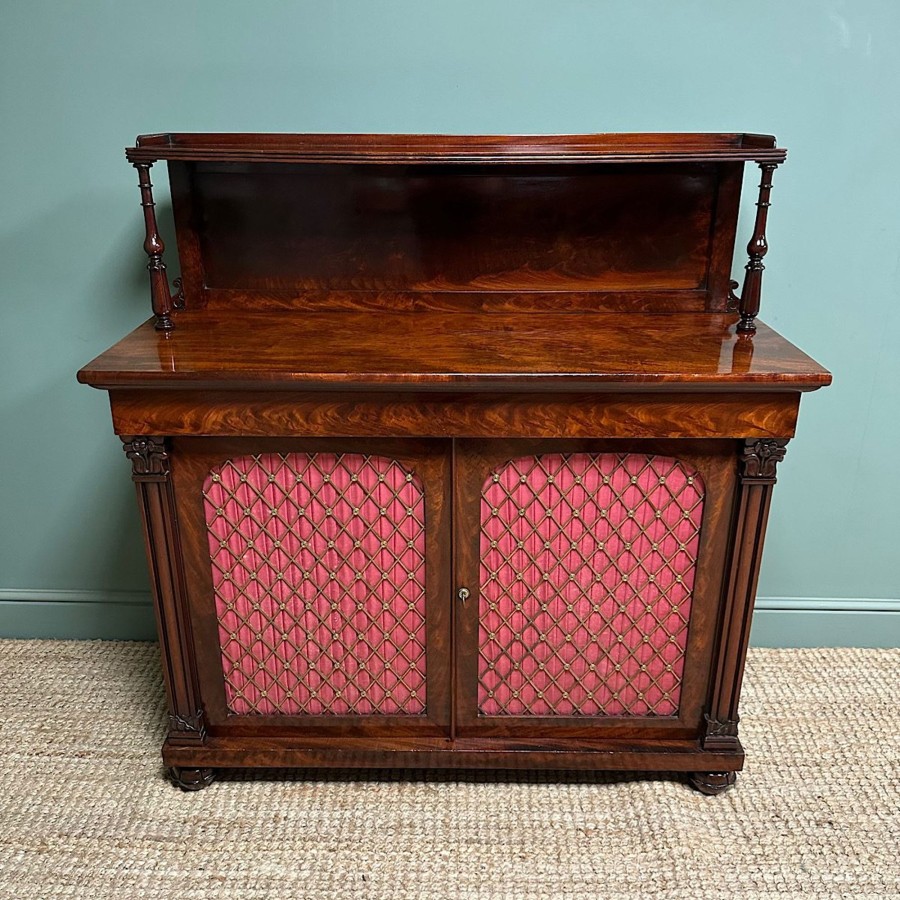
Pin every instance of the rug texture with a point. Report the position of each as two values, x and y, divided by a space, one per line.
86 811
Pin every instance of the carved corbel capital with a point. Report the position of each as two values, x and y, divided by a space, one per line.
733 302
149 457
719 735
193 726
759 458
178 294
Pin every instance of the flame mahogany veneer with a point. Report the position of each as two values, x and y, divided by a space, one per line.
454 451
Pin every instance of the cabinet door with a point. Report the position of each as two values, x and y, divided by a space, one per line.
318 582
594 571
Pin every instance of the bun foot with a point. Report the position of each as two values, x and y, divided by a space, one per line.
191 779
712 783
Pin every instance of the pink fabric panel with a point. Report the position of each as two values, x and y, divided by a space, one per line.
587 569
318 566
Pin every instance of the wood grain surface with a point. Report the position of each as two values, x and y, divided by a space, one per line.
413 350
437 414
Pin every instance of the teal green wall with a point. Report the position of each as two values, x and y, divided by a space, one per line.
80 80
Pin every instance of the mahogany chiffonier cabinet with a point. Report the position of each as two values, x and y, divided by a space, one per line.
454 451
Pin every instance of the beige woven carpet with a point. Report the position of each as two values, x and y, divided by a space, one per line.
85 810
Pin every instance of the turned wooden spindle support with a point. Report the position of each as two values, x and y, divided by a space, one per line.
160 295
757 249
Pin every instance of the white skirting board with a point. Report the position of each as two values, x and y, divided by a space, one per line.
128 615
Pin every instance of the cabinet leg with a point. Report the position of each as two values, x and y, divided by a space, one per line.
712 783
191 779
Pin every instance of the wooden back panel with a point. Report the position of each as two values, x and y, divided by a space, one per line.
647 237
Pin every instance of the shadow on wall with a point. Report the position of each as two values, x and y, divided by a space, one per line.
71 499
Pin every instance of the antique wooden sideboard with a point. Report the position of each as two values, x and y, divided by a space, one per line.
454 451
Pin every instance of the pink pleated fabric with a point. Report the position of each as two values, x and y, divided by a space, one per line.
587 571
318 569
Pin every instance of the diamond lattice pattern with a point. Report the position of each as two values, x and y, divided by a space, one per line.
318 570
587 569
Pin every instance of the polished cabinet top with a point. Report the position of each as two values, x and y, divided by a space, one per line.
458 350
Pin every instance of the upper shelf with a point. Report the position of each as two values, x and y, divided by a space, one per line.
434 148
